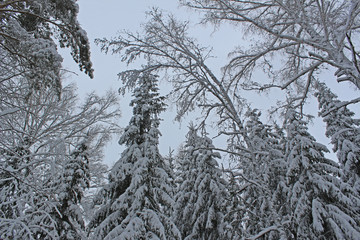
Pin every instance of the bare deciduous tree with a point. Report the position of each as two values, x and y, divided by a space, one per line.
167 47
38 133
294 41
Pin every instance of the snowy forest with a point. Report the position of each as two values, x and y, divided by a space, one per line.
269 178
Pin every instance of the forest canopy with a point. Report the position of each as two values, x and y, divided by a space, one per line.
270 178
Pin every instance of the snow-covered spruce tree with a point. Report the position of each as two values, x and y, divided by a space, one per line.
169 166
321 205
133 202
344 131
185 179
262 168
11 185
256 182
201 195
71 186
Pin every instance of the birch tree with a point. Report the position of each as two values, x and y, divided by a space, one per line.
294 41
167 46
36 141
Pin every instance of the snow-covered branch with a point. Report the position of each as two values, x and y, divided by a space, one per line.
291 30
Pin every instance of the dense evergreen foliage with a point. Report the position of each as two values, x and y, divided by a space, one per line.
201 196
320 204
344 131
133 204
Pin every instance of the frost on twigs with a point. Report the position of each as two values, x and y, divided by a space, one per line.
28 30
293 41
166 47
50 154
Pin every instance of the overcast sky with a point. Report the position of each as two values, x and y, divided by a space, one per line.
106 18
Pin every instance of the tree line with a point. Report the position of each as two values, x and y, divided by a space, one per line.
280 184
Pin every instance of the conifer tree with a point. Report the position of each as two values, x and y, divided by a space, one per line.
11 184
185 178
264 170
201 196
170 169
74 181
138 191
257 180
344 131
321 206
